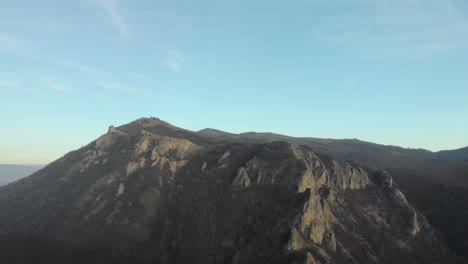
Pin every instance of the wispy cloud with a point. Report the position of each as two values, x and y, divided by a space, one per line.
395 26
85 68
135 76
59 87
116 86
52 82
7 83
110 8
102 96
174 59
10 82
9 43
106 80
149 93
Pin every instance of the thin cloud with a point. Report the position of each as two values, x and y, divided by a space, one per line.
396 27
9 43
91 70
135 76
52 82
149 93
87 68
110 8
7 83
115 86
174 59
102 97
59 87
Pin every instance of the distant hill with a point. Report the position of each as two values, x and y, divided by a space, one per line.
457 154
11 172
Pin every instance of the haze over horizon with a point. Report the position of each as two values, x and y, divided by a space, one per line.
391 72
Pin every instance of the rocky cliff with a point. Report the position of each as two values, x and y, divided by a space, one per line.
149 192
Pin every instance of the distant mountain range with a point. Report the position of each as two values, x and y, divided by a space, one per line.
150 192
12 172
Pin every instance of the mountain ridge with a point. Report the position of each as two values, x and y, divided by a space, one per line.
217 132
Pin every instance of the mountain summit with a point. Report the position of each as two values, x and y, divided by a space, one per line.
150 192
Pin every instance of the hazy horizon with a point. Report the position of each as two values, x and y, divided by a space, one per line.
13 172
391 72
104 131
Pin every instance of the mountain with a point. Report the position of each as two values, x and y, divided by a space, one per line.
150 192
11 172
458 154
435 182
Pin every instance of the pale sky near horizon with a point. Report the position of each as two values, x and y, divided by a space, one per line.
387 71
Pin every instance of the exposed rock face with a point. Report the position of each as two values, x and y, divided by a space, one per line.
242 178
138 195
350 178
412 226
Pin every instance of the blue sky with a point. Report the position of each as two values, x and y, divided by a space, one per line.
388 71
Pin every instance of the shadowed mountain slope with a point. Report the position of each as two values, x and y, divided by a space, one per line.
149 192
435 182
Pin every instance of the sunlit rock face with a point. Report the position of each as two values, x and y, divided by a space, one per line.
148 192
